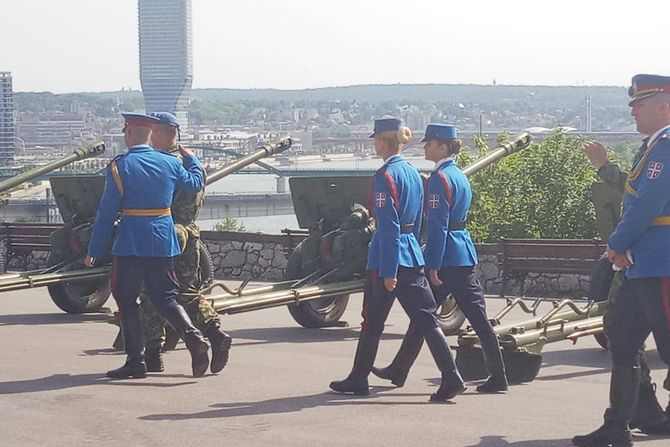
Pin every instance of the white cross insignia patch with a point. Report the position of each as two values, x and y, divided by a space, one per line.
380 199
654 170
433 201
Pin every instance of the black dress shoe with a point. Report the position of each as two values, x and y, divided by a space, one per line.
355 386
605 436
388 374
493 385
447 392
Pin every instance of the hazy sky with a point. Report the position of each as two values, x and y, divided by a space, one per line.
91 45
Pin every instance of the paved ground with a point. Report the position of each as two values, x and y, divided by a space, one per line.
274 391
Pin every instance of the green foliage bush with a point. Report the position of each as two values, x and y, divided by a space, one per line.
229 224
541 192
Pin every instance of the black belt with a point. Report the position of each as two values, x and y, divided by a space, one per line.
407 228
455 225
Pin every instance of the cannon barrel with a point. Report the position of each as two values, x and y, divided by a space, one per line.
516 143
276 146
90 150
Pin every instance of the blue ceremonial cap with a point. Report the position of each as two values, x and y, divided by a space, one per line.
166 118
646 85
440 132
139 119
386 125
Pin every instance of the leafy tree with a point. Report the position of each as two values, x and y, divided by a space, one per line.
540 192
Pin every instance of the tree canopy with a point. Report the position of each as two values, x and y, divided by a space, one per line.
541 192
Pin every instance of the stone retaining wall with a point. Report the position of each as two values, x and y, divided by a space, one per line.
239 255
262 257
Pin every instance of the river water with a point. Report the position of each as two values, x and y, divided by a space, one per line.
267 183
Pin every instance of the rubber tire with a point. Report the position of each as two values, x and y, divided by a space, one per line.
73 301
307 314
450 317
206 265
602 340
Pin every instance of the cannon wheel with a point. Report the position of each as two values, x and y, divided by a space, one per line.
450 317
78 297
322 312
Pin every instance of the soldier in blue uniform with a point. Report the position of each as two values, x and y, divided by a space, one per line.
138 191
640 244
451 259
395 266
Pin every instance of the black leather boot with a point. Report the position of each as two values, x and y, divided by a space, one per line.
623 399
357 381
220 342
649 416
154 360
452 382
134 347
497 380
181 323
399 368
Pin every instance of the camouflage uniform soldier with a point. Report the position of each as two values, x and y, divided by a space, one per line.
607 199
185 210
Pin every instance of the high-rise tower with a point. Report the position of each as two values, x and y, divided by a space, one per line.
166 55
7 130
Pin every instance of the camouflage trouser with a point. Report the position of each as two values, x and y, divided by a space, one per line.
153 325
189 277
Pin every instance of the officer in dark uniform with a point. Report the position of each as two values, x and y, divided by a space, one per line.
138 191
395 266
451 259
640 244
650 417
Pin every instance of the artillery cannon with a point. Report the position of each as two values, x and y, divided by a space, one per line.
73 287
20 280
328 265
522 342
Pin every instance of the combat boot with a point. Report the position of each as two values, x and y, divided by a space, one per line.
399 368
134 367
357 381
452 383
497 380
220 342
181 323
623 396
154 360
649 416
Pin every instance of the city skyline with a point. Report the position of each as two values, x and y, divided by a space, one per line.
79 46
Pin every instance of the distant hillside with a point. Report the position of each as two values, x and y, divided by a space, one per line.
560 96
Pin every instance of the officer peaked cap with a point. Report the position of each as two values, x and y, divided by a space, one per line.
646 85
139 119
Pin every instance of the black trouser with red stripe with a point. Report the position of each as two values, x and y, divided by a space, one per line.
413 293
642 307
129 273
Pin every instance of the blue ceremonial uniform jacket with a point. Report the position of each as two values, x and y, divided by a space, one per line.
149 179
448 197
396 199
646 198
